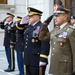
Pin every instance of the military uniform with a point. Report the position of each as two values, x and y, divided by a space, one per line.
19 45
7 39
62 60
34 49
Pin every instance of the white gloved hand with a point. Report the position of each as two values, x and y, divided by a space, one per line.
5 22
42 63
24 20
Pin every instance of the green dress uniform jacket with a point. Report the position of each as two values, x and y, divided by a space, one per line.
62 60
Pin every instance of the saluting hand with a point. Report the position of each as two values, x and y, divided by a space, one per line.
48 20
11 46
24 20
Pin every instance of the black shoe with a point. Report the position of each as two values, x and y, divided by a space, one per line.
9 70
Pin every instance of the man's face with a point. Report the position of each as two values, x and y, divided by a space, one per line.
72 21
60 19
33 19
9 19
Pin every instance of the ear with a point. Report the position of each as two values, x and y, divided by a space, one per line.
66 16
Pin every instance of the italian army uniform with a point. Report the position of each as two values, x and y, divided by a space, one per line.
7 38
62 60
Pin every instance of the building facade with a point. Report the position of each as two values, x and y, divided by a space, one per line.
19 8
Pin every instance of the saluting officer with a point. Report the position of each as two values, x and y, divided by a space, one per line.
19 45
62 39
6 25
35 51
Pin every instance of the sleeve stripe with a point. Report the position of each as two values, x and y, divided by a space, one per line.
13 42
44 56
20 27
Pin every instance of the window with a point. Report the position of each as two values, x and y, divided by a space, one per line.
70 4
72 7
3 1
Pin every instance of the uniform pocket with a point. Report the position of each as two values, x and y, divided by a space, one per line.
36 51
64 67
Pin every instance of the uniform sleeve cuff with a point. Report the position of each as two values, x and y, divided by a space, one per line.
44 56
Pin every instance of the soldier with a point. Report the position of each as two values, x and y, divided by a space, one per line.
35 51
19 45
62 39
73 20
6 25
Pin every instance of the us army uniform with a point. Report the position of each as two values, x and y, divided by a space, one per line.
19 45
34 50
7 39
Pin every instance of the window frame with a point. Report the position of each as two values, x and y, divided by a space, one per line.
3 2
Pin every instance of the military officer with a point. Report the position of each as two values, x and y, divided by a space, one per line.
6 25
62 39
73 20
19 45
35 51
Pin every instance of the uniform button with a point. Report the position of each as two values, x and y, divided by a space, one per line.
52 54
55 37
36 40
53 48
25 46
54 42
65 60
38 53
26 43
27 35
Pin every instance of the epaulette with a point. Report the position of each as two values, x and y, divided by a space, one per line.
72 26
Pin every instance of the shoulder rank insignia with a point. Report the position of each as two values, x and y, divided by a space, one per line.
72 27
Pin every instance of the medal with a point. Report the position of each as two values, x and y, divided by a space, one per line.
36 40
33 40
61 43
